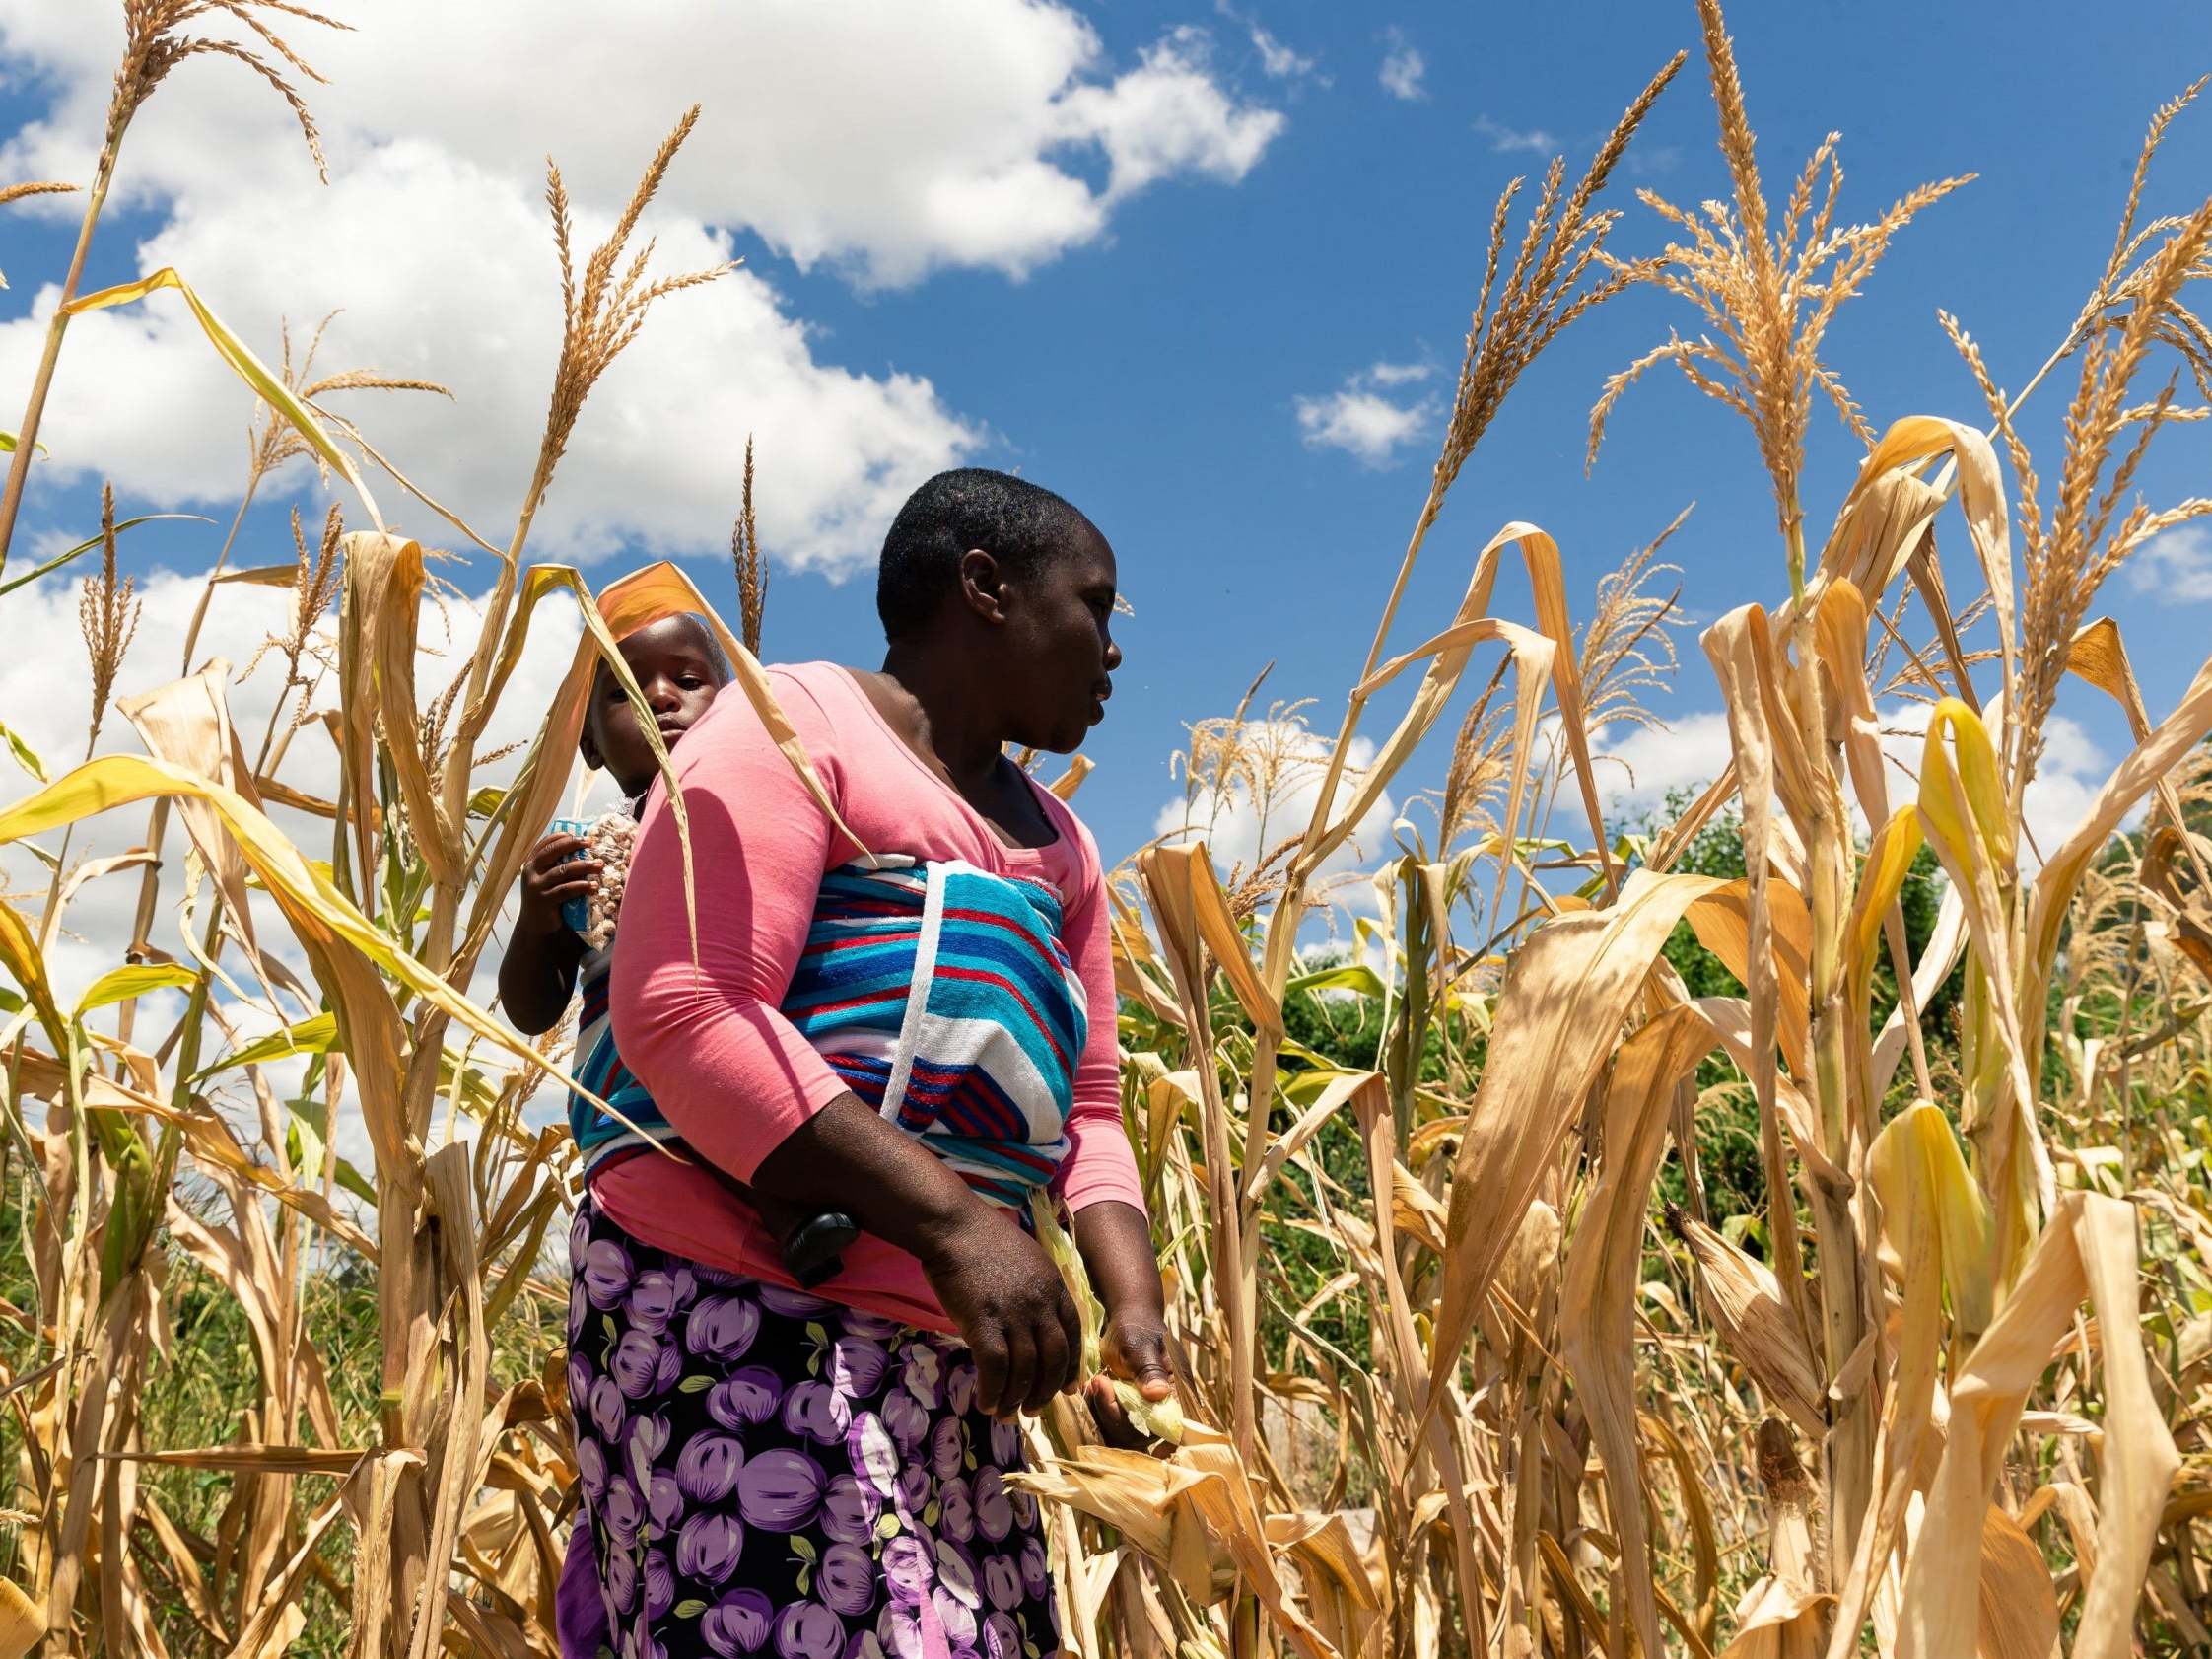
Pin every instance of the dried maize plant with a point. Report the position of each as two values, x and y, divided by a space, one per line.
426 1513
1874 1392
1917 1267
1246 1557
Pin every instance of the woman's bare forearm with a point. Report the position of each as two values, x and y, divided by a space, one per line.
1115 1241
847 1157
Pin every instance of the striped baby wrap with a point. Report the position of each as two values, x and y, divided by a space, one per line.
943 996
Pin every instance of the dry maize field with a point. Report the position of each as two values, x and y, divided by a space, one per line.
1486 1353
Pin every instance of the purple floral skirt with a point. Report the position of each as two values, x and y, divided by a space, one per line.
765 1472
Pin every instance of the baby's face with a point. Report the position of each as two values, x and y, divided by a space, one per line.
677 671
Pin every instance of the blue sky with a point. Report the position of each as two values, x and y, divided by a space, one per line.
1145 352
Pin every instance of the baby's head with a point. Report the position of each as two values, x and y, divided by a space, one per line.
679 666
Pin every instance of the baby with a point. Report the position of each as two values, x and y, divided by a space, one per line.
679 668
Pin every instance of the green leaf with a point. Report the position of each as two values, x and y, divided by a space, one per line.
803 1548
316 1034
1347 976
887 1525
805 1573
691 1607
120 985
695 1385
26 756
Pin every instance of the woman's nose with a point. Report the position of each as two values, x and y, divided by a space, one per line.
1113 656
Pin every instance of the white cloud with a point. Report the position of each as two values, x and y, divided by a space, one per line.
2175 565
1402 67
1280 61
1239 829
1167 117
1506 140
887 144
1640 766
896 139
1369 416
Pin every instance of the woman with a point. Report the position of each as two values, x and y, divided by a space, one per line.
918 1030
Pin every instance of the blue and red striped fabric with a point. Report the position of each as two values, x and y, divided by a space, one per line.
943 998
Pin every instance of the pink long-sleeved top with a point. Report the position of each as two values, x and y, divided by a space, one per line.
729 1073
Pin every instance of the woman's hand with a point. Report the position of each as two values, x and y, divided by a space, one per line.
1134 1348
1013 1312
1116 1245
551 876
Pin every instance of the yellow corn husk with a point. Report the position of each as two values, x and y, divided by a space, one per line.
1755 1323
21 1624
1916 1164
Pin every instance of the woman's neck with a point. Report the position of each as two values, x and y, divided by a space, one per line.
949 717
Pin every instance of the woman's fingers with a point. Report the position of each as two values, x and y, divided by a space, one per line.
554 848
990 1350
1145 1350
1053 1365
563 885
1021 1370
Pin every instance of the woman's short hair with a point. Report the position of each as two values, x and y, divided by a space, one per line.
1019 523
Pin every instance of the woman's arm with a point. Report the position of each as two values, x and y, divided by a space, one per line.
1116 1245
994 1279
537 975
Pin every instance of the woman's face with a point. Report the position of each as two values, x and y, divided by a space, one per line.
1060 646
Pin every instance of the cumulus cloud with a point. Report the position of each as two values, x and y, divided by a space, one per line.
1371 416
1640 767
1506 140
2175 565
1278 60
1403 69
1240 827
991 133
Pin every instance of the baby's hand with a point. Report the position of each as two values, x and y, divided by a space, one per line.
551 876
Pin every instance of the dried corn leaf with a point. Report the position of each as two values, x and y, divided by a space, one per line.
2087 1249
1756 1323
1567 991
1602 1276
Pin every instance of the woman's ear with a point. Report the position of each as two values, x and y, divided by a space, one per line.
982 586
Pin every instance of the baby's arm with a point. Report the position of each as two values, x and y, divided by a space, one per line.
537 976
